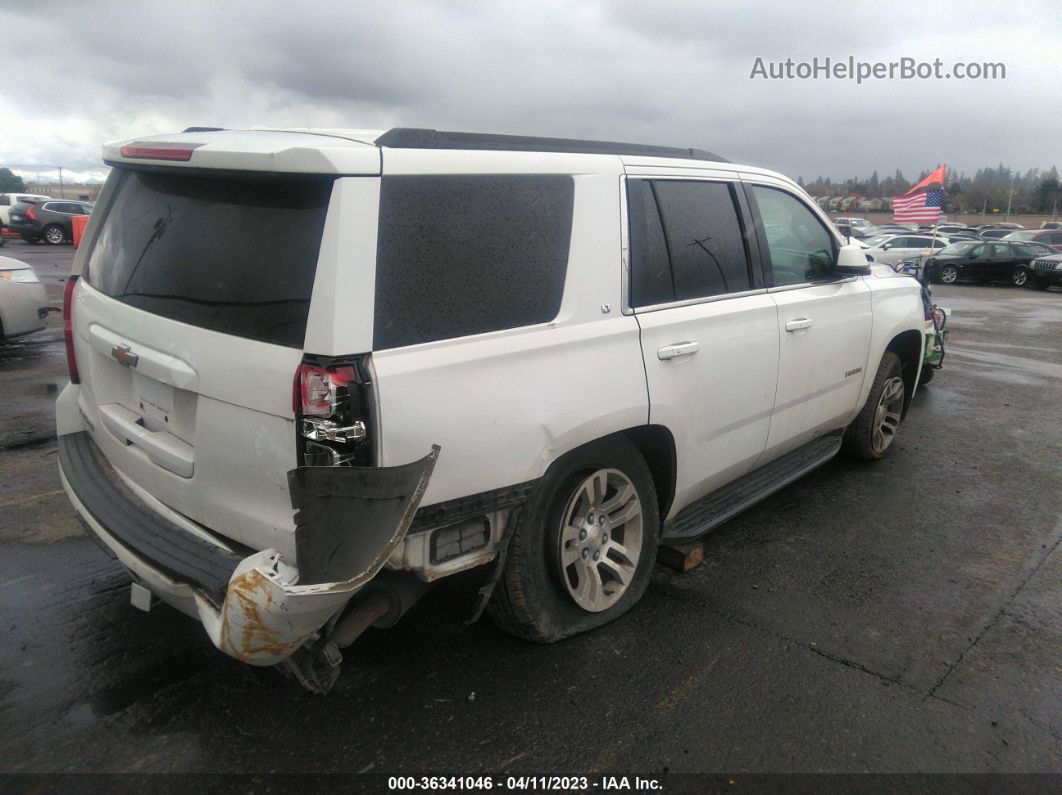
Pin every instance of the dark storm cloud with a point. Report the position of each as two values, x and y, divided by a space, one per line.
675 72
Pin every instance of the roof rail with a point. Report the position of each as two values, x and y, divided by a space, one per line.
415 138
203 129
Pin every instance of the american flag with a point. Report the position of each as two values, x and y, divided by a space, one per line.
922 207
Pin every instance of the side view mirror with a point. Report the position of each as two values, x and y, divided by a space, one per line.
886 246
851 261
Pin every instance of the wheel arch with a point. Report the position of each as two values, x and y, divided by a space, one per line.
657 446
907 345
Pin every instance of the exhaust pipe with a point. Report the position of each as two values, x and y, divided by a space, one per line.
381 604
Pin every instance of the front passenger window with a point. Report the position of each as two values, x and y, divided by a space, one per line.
801 249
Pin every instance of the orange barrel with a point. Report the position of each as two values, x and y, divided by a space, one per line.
79 222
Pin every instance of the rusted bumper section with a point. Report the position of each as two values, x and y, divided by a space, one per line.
255 606
348 522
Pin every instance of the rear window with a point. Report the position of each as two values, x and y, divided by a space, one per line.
468 254
235 255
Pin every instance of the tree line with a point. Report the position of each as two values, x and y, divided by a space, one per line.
1033 191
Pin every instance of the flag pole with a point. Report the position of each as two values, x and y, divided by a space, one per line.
933 239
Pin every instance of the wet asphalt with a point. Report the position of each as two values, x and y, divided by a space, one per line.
903 616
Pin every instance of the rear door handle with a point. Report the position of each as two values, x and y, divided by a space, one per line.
677 350
798 324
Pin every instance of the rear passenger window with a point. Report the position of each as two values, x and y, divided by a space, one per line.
468 254
686 241
800 248
650 267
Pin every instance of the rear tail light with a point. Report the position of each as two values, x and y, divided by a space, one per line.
68 329
318 389
31 214
330 403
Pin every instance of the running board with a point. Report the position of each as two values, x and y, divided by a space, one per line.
722 504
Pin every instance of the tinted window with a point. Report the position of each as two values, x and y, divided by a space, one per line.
1026 250
800 248
704 238
1001 251
232 255
650 266
461 255
5 200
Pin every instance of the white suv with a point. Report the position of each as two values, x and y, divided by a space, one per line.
313 371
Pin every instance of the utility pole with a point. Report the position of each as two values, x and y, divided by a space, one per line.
1009 197
62 193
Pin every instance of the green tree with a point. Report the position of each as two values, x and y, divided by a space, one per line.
11 182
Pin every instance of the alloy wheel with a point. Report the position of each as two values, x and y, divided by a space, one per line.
887 416
1019 277
54 235
949 274
601 539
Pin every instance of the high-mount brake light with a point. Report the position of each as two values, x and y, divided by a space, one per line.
158 151
68 329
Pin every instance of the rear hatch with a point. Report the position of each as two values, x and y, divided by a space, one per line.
190 317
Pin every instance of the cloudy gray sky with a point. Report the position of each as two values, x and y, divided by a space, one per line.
668 72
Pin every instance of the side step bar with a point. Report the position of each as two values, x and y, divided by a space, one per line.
715 508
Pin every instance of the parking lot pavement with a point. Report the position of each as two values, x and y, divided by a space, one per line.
903 616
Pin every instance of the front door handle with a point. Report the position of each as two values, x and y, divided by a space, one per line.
677 350
798 324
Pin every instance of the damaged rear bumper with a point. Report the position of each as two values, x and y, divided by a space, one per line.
254 606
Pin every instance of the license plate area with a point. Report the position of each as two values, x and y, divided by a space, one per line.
163 407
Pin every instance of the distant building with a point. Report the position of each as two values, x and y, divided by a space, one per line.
85 193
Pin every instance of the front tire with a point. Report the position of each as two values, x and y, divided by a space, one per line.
871 435
584 546
1019 277
1036 284
949 274
54 235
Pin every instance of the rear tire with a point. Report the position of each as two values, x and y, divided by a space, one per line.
564 573
54 235
1019 277
871 435
949 274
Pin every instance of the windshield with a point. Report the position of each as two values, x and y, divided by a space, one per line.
1020 236
232 254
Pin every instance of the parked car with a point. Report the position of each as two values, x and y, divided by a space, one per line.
981 261
1045 271
1051 225
555 348
23 300
1050 237
9 200
901 247
51 221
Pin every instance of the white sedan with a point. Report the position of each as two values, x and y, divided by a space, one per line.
901 247
23 300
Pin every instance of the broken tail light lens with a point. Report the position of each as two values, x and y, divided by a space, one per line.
330 403
317 389
68 329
